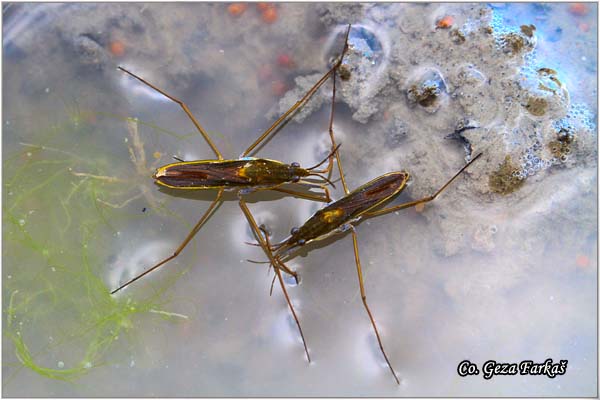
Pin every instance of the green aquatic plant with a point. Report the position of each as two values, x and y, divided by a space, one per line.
59 226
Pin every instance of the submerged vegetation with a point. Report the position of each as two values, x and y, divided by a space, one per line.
61 214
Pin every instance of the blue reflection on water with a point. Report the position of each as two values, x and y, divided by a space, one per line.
566 42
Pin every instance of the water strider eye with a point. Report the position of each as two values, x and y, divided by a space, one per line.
295 178
301 242
295 164
295 231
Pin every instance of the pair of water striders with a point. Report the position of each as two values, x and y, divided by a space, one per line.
248 174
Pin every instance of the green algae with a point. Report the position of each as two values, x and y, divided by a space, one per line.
513 43
528 30
425 94
457 36
505 180
58 312
536 105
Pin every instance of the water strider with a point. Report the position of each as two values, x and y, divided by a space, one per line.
245 174
342 216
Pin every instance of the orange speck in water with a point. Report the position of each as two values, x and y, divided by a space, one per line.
420 207
278 88
445 22
582 261
583 27
117 48
156 155
263 6
285 61
236 9
269 15
578 9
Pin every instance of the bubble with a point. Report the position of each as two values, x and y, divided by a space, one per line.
519 175
471 76
60 364
366 43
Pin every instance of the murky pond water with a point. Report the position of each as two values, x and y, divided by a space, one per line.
502 266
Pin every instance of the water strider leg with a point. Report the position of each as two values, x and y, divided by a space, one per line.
185 108
307 196
287 298
264 243
259 237
424 199
213 206
334 147
272 284
356 254
336 153
316 185
364 300
300 102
